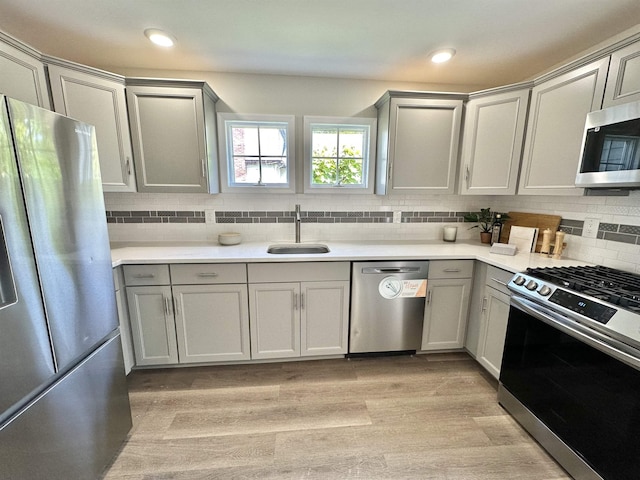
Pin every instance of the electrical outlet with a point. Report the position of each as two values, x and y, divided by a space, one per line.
590 228
397 217
209 216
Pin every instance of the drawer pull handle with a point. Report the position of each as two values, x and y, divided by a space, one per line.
499 281
144 275
210 274
452 270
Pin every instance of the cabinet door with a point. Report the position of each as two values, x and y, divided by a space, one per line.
476 308
492 143
493 331
125 331
623 81
168 135
152 325
445 314
324 322
22 74
423 145
101 103
555 128
275 320
212 323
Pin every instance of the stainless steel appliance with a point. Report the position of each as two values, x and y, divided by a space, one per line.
611 148
571 367
64 406
387 306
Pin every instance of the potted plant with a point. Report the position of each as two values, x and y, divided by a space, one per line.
484 220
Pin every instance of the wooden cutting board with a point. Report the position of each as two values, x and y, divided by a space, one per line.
537 220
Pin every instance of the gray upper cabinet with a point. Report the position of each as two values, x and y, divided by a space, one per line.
417 146
22 74
623 81
559 107
98 98
492 141
173 131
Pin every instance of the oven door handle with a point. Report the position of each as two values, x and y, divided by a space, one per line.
605 344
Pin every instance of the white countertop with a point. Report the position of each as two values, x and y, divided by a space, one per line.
339 251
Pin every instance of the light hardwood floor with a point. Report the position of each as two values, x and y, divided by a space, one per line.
431 417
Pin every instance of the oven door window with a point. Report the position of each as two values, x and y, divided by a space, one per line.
587 398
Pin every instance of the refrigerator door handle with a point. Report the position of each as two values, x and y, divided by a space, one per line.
8 294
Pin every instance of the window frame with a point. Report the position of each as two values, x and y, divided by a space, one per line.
369 155
226 155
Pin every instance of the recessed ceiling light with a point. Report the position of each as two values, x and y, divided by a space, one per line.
159 37
441 56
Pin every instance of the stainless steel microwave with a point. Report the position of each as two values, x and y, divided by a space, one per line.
611 148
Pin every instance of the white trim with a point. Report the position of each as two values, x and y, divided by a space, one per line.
369 155
225 183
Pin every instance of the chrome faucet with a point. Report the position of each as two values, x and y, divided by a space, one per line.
298 221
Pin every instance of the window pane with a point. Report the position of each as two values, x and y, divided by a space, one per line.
274 170
324 171
246 170
351 143
244 140
257 152
350 171
337 153
273 141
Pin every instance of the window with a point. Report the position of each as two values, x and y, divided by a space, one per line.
257 151
337 154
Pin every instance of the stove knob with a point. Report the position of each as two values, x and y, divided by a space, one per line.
519 280
544 291
531 285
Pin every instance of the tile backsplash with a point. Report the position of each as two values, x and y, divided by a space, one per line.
265 217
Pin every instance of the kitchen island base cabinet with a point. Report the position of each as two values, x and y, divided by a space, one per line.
447 304
298 309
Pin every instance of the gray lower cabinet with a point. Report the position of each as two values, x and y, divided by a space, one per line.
173 131
123 318
212 323
98 98
298 309
447 304
555 127
188 313
488 326
152 325
22 74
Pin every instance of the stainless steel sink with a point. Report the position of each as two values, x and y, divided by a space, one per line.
298 248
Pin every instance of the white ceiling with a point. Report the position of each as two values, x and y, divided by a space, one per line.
498 41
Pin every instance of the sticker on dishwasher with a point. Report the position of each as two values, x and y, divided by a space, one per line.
392 287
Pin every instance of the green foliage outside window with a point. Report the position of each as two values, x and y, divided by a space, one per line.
331 169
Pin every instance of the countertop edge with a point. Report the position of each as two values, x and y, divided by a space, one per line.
339 251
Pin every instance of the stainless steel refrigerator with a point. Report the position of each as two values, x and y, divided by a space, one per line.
64 406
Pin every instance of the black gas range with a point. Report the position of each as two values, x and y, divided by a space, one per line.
570 371
602 298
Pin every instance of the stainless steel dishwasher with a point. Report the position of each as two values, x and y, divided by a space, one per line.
387 306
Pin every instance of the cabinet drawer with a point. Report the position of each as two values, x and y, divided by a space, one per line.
146 275
450 269
208 273
298 272
498 279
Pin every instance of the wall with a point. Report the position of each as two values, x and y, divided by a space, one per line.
300 96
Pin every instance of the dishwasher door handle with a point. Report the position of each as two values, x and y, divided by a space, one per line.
369 270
